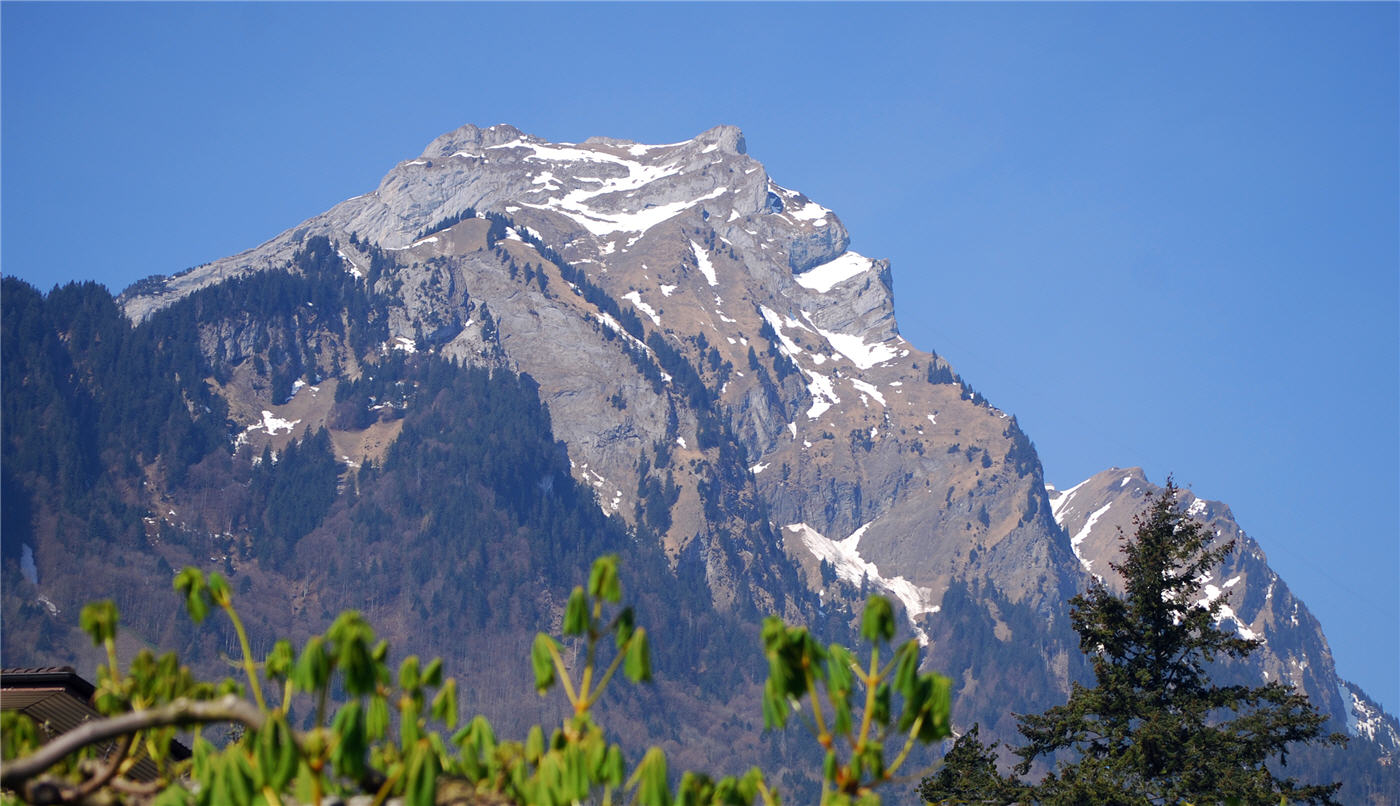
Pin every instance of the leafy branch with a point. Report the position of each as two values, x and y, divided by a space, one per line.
349 748
854 766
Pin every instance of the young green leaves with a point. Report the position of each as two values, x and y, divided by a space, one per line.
800 667
583 619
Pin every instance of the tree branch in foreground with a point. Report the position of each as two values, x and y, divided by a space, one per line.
180 712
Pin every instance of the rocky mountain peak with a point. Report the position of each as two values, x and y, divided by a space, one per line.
470 137
753 283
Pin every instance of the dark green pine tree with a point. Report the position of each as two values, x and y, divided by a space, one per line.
969 776
1154 729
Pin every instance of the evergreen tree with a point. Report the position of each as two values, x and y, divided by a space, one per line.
969 775
1154 728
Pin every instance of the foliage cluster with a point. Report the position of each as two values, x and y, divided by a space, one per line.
335 720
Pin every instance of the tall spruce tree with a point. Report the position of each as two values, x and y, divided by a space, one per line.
1154 728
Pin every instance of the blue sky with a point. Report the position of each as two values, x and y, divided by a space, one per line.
1160 234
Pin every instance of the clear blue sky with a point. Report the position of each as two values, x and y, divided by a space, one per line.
1160 234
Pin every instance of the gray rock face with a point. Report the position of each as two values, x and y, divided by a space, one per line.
856 452
843 424
1259 605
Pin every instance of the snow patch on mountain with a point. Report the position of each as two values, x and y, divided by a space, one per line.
844 556
601 223
868 389
702 260
825 277
1226 612
1084 532
819 386
636 300
616 327
861 353
1059 501
823 393
786 345
1365 720
583 205
811 211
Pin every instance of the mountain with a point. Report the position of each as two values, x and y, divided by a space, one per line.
433 401
1293 649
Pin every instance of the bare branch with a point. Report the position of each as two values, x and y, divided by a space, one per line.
180 712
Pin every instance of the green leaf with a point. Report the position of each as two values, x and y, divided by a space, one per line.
237 778
551 779
200 755
542 663
602 579
477 739
219 592
829 765
173 795
839 661
350 636
377 719
637 664
881 712
432 675
313 669
613 767
877 623
348 753
278 750
409 679
649 780
280 661
420 784
190 581
445 704
691 790
748 785
841 707
775 706
99 621
626 625
873 760
576 773
534 744
576 613
408 722
939 724
906 668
